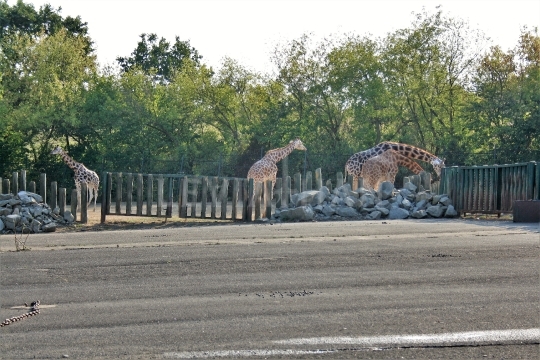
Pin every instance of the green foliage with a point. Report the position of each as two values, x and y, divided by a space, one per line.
429 85
158 57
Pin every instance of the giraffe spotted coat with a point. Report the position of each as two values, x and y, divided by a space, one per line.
82 175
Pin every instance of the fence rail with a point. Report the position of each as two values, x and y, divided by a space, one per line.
491 189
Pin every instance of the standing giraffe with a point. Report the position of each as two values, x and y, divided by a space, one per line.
266 168
355 163
384 167
82 175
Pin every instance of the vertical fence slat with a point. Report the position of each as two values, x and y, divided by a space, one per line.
204 196
84 203
214 194
139 194
249 199
278 192
74 204
22 186
129 192
62 200
234 199
43 186
118 193
318 179
309 181
297 183
168 213
185 184
15 182
258 195
268 198
192 196
54 195
339 180
224 197
149 194
31 187
103 198
159 195
6 186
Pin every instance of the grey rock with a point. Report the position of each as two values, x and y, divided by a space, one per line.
410 186
435 211
406 204
12 221
450 212
374 215
328 210
51 227
368 200
305 198
68 217
5 211
445 200
347 212
419 214
398 213
386 190
1 225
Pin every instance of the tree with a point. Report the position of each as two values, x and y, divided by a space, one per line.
159 57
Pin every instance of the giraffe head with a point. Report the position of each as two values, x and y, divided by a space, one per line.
298 145
438 165
57 150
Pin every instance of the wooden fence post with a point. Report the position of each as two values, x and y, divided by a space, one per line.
159 195
339 180
204 196
224 197
258 194
62 200
168 213
318 179
104 198
43 186
54 195
15 182
287 193
250 196
31 187
1 183
213 191
309 181
22 187
84 203
129 192
297 183
139 194
109 194
278 192
74 204
117 209
184 190
6 186
193 194
268 198
234 199
149 194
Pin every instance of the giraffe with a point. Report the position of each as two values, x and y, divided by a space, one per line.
355 163
266 168
82 175
384 167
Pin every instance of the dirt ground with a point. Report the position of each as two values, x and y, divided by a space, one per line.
114 222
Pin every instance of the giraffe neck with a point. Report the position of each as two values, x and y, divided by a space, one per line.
75 166
408 163
277 155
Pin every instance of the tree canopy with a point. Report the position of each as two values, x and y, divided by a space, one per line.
434 84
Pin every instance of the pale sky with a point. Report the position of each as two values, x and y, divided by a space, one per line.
248 30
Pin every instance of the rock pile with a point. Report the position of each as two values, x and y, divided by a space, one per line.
363 204
26 212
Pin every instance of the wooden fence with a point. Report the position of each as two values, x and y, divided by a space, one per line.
490 189
56 197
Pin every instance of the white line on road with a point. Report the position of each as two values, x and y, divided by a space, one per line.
387 341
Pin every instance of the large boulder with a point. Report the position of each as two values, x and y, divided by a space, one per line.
398 213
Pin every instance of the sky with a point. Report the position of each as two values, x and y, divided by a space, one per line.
248 30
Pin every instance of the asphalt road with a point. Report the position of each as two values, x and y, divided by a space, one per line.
430 289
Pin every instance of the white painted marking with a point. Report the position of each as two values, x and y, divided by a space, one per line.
494 336
374 343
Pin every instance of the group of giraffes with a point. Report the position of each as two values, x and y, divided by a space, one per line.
375 165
